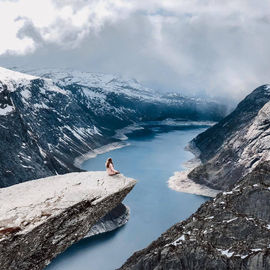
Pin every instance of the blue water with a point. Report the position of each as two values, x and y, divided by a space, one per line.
151 158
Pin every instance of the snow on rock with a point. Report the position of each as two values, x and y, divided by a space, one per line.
226 252
237 144
45 216
5 111
13 79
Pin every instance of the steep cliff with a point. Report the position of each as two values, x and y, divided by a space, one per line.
236 145
41 218
230 232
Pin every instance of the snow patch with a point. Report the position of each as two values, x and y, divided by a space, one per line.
226 252
7 110
13 79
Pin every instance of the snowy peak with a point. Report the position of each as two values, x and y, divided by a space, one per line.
109 83
13 79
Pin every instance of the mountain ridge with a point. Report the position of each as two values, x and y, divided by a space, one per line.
236 145
47 122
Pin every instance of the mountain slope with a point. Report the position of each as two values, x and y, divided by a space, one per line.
45 123
237 144
230 232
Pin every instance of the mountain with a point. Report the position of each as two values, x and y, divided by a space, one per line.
230 232
236 145
50 118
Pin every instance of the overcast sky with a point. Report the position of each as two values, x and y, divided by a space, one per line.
218 48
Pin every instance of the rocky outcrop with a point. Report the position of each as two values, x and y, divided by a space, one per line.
115 219
230 232
41 218
236 145
48 121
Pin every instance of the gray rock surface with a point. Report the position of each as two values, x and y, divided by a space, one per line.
116 218
230 232
40 219
236 145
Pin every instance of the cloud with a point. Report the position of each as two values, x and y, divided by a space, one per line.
196 47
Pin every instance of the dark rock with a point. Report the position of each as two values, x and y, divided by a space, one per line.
236 145
230 232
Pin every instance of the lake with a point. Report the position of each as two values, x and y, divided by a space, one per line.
152 156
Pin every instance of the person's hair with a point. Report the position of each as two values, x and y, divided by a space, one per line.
108 162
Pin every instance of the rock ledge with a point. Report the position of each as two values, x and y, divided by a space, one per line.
40 219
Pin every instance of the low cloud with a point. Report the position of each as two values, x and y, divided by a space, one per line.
219 49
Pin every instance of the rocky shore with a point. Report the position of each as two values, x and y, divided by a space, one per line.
181 182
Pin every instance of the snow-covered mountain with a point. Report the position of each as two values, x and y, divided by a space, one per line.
51 117
237 144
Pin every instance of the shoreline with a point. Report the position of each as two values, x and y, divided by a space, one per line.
98 151
120 134
180 182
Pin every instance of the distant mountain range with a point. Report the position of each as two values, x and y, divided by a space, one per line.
50 117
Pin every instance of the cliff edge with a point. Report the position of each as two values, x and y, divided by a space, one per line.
40 219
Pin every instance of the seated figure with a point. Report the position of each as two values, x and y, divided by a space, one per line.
109 167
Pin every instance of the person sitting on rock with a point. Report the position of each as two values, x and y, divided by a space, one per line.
109 167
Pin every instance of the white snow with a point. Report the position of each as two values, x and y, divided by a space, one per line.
256 249
227 193
13 78
226 252
178 241
26 94
106 82
7 110
244 256
29 204
230 220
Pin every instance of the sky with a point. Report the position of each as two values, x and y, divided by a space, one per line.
194 47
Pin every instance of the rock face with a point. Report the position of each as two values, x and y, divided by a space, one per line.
116 218
230 232
236 145
48 121
41 218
